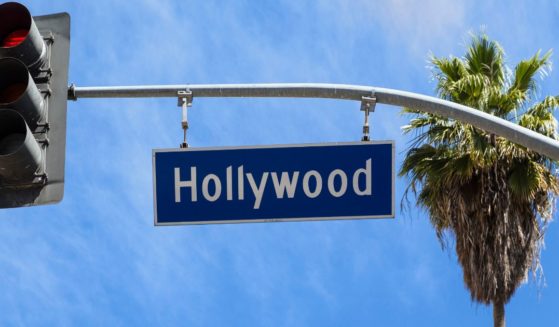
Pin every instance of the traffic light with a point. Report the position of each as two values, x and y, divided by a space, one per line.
34 57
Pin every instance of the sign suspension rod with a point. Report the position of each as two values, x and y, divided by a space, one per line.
487 122
184 101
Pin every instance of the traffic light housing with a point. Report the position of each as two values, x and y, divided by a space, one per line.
34 58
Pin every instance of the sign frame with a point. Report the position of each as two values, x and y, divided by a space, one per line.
267 220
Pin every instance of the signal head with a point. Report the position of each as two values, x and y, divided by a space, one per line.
19 36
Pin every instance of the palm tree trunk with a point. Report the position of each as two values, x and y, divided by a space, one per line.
498 314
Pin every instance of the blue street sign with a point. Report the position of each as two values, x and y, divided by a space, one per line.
273 183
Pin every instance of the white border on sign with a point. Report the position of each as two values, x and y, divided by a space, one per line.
154 151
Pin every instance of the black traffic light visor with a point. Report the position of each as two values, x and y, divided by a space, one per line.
16 24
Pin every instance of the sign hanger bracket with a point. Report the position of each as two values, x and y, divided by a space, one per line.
368 105
184 100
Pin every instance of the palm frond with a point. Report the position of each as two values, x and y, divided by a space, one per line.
485 57
451 69
539 117
524 83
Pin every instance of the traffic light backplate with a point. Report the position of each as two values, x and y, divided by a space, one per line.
52 80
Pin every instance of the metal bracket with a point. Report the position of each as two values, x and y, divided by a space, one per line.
184 100
49 37
46 71
45 127
72 92
42 179
44 141
46 91
368 105
185 96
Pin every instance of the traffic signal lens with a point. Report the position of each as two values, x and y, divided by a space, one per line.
12 92
11 139
14 38
16 23
12 131
10 143
20 154
18 91
19 36
14 79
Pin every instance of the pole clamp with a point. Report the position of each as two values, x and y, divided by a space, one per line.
185 96
72 92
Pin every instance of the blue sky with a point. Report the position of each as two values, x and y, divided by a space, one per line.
96 258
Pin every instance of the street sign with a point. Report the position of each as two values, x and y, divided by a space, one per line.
273 183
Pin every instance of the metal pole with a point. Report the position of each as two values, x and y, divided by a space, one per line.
482 120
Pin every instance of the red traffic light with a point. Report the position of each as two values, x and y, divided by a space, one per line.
16 23
33 95
19 36
14 38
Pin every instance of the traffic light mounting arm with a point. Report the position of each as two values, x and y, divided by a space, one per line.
492 124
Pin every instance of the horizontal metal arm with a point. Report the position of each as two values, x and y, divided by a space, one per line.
291 90
492 124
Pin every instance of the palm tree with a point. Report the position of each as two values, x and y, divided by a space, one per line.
494 198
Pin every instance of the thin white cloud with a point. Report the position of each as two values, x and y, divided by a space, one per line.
98 251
